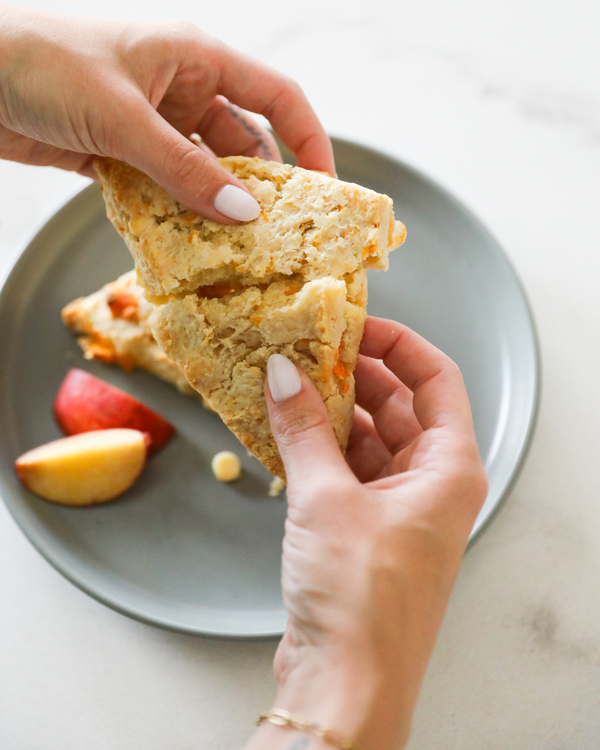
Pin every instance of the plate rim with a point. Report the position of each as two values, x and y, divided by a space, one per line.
482 523
25 248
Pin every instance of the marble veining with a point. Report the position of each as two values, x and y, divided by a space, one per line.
546 633
501 102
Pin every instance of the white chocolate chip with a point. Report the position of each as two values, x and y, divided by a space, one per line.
138 224
226 466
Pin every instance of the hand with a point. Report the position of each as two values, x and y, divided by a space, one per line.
75 88
373 542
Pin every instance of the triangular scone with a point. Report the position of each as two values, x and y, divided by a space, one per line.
114 328
227 297
310 224
223 344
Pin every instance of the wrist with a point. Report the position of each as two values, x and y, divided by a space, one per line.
345 691
349 691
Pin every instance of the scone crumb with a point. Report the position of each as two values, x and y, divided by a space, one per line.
276 487
226 466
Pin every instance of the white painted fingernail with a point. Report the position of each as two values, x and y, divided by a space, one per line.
284 378
235 203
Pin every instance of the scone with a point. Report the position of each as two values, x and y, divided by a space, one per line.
228 296
310 225
114 328
223 344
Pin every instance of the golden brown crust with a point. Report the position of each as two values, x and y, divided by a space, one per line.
228 296
310 225
114 327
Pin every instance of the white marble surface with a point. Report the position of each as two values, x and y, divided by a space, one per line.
499 101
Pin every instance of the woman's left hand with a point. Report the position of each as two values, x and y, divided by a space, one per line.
72 89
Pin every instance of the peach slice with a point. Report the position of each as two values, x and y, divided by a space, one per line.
84 469
85 402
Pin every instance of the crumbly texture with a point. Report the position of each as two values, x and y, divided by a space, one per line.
115 329
291 282
310 225
223 345
276 487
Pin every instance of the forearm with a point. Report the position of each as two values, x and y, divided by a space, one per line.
362 673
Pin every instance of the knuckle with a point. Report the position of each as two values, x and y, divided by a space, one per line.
452 368
470 481
481 484
299 425
183 165
180 32
184 28
293 88
293 85
188 167
458 474
289 90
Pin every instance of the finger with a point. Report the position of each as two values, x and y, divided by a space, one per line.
439 395
258 88
366 455
403 460
362 426
447 475
86 169
388 401
197 141
300 425
229 130
185 171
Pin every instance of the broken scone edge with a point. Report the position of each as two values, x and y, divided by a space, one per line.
113 328
310 225
311 228
223 345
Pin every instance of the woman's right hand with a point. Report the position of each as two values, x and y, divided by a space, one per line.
373 542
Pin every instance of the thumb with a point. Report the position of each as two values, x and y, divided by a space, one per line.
300 424
186 172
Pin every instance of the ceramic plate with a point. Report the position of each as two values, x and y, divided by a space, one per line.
181 550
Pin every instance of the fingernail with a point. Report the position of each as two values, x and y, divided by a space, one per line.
283 377
235 203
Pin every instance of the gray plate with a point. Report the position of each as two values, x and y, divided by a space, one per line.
181 550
